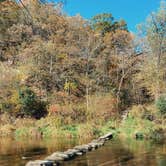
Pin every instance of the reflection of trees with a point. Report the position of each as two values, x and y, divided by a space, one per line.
124 153
161 161
113 153
144 152
160 153
12 151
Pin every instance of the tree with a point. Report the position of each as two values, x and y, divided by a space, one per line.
155 31
121 44
105 22
62 58
102 22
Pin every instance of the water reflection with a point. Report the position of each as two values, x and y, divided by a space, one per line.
14 152
124 153
114 153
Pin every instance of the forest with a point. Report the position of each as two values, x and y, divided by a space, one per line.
76 77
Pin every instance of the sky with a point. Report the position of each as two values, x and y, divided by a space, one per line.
132 11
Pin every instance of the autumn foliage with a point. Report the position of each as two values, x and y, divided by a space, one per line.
49 60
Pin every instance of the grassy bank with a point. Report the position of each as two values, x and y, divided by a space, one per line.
70 120
141 122
144 122
51 128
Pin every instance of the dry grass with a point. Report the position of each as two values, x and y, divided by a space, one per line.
7 130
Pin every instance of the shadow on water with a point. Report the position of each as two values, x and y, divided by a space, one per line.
114 153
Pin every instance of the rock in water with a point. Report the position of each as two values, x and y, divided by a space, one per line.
40 163
107 136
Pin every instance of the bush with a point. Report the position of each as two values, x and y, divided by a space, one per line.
30 104
10 103
21 102
161 104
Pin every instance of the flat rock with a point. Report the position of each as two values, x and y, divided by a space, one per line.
93 145
72 152
58 156
79 153
40 163
106 136
83 148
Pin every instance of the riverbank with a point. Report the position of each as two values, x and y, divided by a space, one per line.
50 128
143 122
140 122
70 120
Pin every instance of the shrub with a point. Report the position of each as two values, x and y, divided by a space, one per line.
30 104
157 133
10 103
161 104
142 112
137 111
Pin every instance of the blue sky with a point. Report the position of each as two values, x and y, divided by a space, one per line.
133 11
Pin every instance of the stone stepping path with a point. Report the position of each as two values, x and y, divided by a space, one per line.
57 158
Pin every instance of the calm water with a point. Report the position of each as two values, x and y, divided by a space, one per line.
114 153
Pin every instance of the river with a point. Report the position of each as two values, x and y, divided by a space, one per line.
116 152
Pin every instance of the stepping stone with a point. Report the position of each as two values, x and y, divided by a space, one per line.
106 137
40 163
